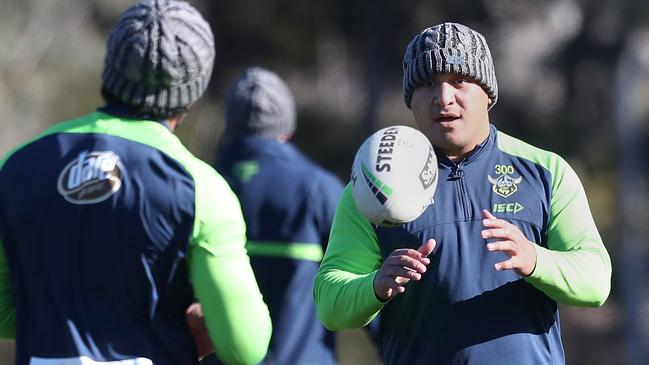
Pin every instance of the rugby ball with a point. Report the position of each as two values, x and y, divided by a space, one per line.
394 176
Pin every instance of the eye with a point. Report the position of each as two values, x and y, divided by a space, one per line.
459 80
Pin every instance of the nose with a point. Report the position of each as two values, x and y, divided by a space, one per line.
444 94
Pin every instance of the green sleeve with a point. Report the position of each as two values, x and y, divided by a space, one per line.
575 268
7 310
343 289
237 319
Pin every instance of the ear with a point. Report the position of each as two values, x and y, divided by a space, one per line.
284 137
174 121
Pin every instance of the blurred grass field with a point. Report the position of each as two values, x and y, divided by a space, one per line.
6 352
354 347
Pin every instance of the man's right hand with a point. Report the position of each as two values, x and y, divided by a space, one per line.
196 323
401 266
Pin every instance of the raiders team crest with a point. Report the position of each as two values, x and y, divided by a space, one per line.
505 185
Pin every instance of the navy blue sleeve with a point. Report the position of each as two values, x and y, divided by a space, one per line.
327 191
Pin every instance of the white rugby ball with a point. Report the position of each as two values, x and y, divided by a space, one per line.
394 176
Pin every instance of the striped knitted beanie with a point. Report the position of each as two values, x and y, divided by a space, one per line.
261 104
448 48
159 58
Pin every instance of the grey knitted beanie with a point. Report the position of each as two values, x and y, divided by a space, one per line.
159 57
448 48
261 104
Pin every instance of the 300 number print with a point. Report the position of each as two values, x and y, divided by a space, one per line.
504 169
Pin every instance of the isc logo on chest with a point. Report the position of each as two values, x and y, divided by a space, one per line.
91 178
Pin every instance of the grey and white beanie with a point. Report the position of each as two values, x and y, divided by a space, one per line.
259 103
448 48
159 57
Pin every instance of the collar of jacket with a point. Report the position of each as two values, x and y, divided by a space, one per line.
123 111
248 147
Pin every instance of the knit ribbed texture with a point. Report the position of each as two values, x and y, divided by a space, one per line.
159 57
261 104
448 48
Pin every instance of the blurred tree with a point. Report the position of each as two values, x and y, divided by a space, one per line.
631 114
555 62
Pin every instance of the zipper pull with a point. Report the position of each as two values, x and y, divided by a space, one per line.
456 173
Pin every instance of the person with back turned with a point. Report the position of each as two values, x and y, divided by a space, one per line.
288 202
111 228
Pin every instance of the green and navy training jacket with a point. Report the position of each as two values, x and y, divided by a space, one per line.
288 203
110 228
462 311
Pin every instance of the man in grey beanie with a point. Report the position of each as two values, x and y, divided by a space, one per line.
288 202
476 279
110 228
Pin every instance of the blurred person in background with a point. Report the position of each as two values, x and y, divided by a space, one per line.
477 278
288 203
111 228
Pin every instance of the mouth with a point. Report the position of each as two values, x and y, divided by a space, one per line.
446 118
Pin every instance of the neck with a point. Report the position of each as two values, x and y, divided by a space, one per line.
283 138
458 155
456 158
174 122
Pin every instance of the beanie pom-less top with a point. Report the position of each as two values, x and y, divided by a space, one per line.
260 103
159 57
448 48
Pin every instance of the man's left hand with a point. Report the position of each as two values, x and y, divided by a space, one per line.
509 239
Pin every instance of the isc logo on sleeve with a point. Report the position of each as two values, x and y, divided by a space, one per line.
90 178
